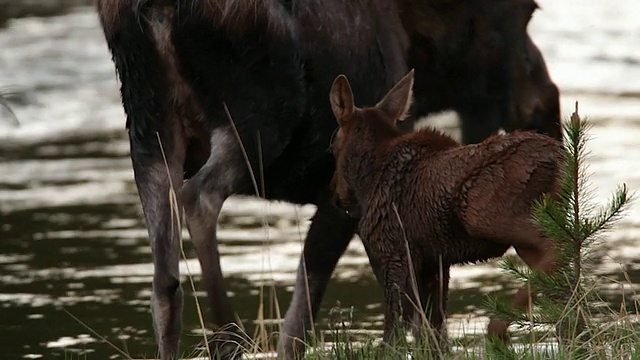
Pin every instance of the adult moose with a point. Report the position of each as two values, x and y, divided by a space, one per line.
476 57
183 63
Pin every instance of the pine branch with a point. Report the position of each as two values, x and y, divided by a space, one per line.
607 216
568 298
514 267
551 218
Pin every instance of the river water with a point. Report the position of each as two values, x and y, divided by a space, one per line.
74 247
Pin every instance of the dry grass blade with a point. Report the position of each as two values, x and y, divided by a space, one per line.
4 104
261 332
265 224
104 339
242 148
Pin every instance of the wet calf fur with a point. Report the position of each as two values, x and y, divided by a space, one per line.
445 203
183 63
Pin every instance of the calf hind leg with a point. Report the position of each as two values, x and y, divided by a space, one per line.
537 256
485 217
433 287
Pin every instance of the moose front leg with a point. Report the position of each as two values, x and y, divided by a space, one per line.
478 123
329 235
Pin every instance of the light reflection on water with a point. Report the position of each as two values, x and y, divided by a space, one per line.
72 232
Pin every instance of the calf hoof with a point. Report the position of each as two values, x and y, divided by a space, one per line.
497 330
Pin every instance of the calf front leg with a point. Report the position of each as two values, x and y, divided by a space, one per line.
433 287
398 297
153 180
392 268
329 235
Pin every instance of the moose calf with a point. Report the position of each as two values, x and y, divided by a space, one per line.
425 202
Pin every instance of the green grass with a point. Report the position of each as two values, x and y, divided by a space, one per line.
607 340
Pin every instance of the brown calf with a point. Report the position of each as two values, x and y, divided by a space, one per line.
425 200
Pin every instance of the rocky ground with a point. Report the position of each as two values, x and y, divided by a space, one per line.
10 9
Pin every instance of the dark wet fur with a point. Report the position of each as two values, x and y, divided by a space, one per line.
475 57
455 204
272 64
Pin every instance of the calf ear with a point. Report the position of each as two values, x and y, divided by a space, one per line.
341 98
398 100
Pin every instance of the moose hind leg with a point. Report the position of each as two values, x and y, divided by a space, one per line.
153 180
203 196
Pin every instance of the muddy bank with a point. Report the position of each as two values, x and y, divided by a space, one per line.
11 9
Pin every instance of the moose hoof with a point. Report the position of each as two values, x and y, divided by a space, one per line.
291 348
226 346
497 329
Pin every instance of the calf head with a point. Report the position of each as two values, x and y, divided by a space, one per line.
360 134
